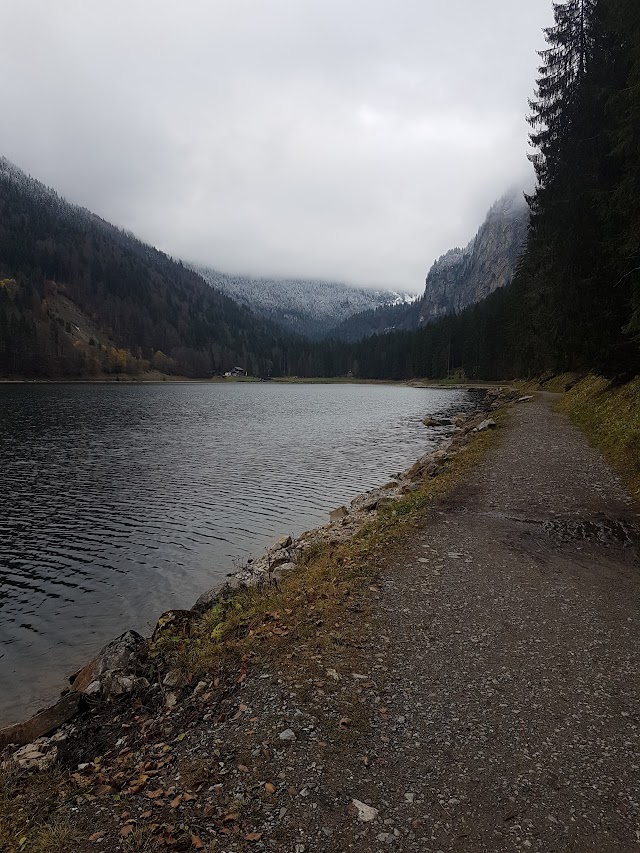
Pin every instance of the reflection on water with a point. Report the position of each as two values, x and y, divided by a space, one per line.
118 501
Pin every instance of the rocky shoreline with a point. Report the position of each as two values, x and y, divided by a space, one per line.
130 666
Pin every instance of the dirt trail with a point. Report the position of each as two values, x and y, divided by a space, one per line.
504 663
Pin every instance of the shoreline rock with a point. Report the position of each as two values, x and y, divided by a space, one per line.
42 723
116 668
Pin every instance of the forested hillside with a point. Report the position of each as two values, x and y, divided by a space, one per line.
378 321
81 297
579 278
303 306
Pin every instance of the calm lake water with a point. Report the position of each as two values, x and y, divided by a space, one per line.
119 501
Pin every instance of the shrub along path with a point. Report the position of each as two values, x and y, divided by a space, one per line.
480 693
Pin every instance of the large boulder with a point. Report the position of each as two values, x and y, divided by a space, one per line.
277 558
117 669
211 597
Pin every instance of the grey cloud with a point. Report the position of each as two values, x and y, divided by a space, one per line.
353 140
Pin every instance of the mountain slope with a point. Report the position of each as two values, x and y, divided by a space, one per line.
459 278
463 277
79 296
379 321
308 307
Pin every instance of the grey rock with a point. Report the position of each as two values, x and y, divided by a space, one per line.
364 812
462 277
433 422
116 669
488 423
439 456
285 568
368 501
339 513
173 622
278 559
287 734
410 487
210 597
39 755
370 504
174 678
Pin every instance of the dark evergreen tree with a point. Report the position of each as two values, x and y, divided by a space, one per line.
567 278
623 114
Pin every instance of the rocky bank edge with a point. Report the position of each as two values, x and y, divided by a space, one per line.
123 666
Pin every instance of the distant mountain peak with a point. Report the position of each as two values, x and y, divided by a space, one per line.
311 307
462 277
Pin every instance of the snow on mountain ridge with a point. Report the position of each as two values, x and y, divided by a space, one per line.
308 306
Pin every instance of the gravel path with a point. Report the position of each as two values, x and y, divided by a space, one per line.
502 672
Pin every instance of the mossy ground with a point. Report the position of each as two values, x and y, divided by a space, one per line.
609 415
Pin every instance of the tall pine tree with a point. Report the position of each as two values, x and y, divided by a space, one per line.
566 264
623 113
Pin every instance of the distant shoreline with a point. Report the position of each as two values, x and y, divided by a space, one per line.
281 380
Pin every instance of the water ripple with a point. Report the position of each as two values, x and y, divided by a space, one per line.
117 502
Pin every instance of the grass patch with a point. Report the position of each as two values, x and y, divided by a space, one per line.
609 415
30 812
556 384
54 837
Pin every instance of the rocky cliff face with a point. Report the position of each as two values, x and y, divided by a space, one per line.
462 277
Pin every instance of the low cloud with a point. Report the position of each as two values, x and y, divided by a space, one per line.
353 140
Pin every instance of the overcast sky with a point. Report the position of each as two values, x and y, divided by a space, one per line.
353 140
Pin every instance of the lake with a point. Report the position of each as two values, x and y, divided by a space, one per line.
120 501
